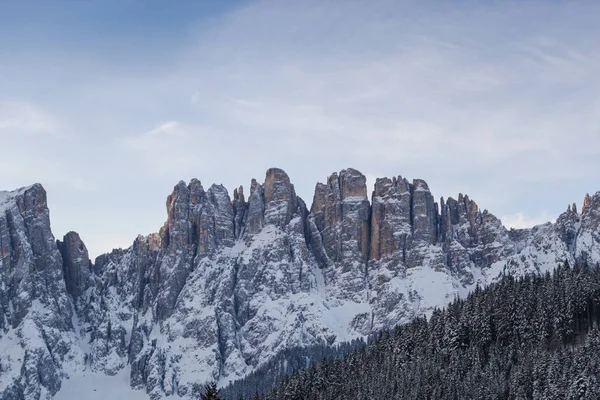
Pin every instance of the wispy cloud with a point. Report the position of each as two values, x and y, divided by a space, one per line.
21 117
446 95
168 146
435 90
521 221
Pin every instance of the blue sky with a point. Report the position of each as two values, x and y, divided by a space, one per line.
109 104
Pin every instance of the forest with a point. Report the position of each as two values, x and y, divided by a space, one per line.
534 337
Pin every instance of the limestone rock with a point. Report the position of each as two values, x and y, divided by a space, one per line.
240 208
424 213
588 236
391 225
77 266
280 198
568 224
227 283
35 313
255 215
341 213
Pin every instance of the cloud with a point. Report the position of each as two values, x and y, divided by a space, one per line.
33 143
167 146
396 91
431 90
21 117
444 94
521 221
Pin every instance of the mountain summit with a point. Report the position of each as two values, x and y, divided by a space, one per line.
227 283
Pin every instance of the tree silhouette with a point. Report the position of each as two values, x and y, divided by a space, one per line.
210 392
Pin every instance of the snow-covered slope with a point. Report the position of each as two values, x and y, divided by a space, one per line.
226 284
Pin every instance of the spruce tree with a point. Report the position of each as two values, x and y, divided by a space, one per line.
210 392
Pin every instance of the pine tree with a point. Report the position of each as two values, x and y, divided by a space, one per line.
210 392
529 338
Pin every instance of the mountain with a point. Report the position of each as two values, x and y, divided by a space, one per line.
36 326
226 284
536 338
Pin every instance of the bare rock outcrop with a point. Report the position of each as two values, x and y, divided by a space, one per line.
35 313
228 282
77 267
341 213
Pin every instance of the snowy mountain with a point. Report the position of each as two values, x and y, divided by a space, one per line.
228 283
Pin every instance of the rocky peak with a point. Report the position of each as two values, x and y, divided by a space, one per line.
238 195
229 282
217 225
272 203
589 230
468 234
178 210
341 213
30 262
33 300
279 197
573 209
320 197
591 204
586 202
390 216
198 223
196 192
339 229
253 185
424 212
77 266
255 214
567 225
239 210
353 184
590 212
463 212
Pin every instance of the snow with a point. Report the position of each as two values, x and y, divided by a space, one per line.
98 386
341 316
7 197
10 361
354 199
262 239
586 243
294 302
434 287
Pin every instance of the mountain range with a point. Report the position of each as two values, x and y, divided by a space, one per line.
228 281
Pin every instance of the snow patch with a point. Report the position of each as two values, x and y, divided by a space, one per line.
98 386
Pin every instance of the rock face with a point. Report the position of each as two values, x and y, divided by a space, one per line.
339 228
588 233
77 268
228 282
35 313
391 222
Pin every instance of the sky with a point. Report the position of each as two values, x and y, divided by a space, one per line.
109 104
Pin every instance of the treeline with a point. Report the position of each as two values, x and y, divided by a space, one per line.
531 338
282 365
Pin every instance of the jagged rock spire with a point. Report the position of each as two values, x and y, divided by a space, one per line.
341 211
280 198
255 214
586 202
225 273
77 266
391 223
239 210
